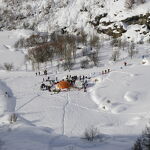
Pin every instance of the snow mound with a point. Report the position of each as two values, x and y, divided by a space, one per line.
131 96
145 61
119 109
134 121
7 100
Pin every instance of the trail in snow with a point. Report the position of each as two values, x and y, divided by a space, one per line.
64 114
28 102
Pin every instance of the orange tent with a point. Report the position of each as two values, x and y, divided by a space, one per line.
63 85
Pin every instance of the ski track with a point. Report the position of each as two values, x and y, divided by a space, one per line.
28 102
64 113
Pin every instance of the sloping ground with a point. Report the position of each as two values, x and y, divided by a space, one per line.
72 15
118 105
8 54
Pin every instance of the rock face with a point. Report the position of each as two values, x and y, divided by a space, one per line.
142 19
104 17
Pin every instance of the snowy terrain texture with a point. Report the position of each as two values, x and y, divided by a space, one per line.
72 15
117 103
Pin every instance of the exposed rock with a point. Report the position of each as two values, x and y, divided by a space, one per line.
139 19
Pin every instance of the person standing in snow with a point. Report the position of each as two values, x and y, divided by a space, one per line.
6 94
125 63
85 85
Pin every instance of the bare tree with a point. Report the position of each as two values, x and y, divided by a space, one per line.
82 37
8 66
115 54
131 50
94 41
94 58
91 133
137 145
84 63
41 54
68 64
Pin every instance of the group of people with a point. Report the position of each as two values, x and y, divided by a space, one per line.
105 71
49 84
83 79
39 72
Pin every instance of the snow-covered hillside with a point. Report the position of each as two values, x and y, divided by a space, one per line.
117 105
109 17
8 54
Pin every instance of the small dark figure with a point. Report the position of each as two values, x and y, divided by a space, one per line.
75 77
108 101
143 57
85 89
70 77
83 78
56 79
67 77
6 94
45 72
108 70
85 86
42 86
39 73
105 71
36 73
125 63
48 78
80 78
49 88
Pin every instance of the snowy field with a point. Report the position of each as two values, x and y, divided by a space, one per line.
117 105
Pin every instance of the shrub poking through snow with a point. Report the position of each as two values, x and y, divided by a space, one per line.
13 118
84 64
143 142
8 66
91 133
137 145
68 64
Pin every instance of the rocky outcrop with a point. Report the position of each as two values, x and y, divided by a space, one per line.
142 19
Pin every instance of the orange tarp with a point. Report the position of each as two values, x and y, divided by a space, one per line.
63 85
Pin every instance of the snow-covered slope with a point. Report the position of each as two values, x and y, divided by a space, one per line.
72 15
117 105
8 54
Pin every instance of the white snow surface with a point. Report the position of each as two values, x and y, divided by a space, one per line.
52 15
8 54
116 103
